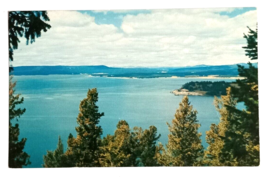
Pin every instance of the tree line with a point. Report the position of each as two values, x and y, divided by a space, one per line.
234 141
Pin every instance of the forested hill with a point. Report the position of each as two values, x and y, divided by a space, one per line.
140 72
210 88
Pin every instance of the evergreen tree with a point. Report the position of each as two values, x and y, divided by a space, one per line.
126 148
235 140
83 151
184 146
17 157
216 135
246 149
116 150
25 23
54 158
252 44
148 141
28 24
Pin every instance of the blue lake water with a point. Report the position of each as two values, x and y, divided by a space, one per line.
52 105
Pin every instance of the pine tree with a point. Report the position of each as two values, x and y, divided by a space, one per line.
55 158
116 149
17 157
184 145
252 44
235 140
148 141
83 151
216 135
130 148
246 148
28 24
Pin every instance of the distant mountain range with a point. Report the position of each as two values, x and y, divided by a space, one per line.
139 72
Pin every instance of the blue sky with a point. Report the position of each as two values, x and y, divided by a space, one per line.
146 38
111 17
238 11
115 18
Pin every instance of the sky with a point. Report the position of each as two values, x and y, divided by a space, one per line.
141 38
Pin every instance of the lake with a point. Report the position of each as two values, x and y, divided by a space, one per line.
52 106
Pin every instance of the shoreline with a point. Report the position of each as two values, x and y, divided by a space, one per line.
217 77
184 93
125 77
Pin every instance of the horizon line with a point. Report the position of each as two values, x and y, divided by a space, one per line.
134 66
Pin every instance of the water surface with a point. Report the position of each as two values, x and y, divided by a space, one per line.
52 105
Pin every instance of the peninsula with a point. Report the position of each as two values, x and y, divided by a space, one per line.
203 88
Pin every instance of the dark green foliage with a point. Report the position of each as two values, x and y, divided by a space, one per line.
234 148
84 149
218 152
17 157
211 88
247 92
126 148
148 146
238 144
144 146
128 144
28 24
241 140
55 158
25 23
252 44
248 122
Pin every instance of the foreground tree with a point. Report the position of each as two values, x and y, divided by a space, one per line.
216 135
29 24
235 141
126 148
246 92
17 157
83 151
116 150
55 158
184 146
252 44
147 146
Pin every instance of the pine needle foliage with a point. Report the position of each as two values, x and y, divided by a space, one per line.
55 158
83 151
130 148
17 157
246 92
116 150
184 145
235 140
28 24
148 146
252 44
216 135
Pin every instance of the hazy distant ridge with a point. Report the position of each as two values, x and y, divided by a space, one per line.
140 72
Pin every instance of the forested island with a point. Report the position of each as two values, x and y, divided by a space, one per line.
203 88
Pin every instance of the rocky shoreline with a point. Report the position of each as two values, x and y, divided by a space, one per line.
178 92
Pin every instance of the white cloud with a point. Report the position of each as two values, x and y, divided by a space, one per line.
161 38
